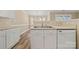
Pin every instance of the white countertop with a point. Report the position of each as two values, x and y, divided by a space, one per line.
54 28
10 27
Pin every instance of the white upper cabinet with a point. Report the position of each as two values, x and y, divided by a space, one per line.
8 13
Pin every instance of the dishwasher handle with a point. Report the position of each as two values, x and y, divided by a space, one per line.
60 30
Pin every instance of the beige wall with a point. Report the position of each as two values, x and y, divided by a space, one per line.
21 17
77 15
5 22
51 17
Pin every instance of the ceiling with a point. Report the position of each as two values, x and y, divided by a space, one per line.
45 12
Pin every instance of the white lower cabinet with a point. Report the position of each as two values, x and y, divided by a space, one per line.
50 39
43 39
2 40
37 39
40 39
66 39
12 36
53 39
9 37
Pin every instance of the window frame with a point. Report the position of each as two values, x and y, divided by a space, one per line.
62 15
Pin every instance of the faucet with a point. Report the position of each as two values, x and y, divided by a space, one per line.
60 23
42 22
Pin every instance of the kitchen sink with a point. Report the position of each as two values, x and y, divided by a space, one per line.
43 27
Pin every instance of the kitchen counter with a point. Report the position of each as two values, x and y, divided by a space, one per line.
54 28
10 27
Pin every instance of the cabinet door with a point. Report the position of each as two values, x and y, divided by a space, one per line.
12 37
50 39
8 13
66 39
2 39
37 39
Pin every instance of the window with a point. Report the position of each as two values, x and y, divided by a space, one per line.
62 17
